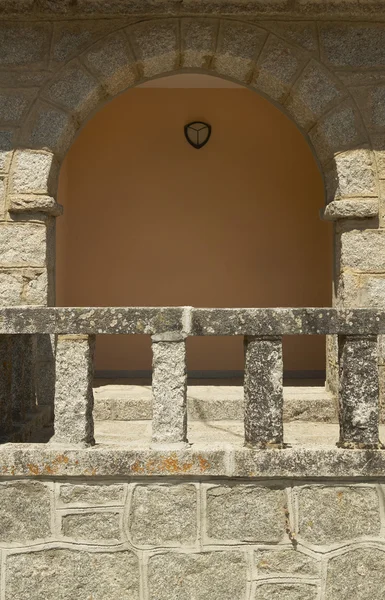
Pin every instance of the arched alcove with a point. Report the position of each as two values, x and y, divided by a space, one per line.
149 220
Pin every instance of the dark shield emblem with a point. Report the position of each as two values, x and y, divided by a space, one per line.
197 134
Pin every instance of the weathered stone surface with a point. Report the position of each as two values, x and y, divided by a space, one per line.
91 495
358 392
33 172
156 46
359 208
208 459
170 322
304 34
353 46
328 515
277 67
169 388
116 320
72 37
11 287
351 173
199 576
358 574
362 290
2 197
75 89
111 60
23 244
336 132
6 145
286 561
50 129
363 250
312 95
198 37
31 48
164 515
73 390
35 203
289 591
45 370
5 385
50 574
24 511
21 386
13 105
263 391
238 47
92 527
246 513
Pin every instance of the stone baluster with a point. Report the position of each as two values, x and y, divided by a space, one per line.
358 392
5 386
169 389
73 391
263 390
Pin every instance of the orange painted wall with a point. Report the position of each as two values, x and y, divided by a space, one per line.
151 221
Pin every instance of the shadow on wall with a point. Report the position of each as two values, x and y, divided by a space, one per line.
149 220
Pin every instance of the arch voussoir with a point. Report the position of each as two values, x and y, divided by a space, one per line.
156 46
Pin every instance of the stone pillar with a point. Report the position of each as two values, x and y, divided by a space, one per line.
29 372
73 393
23 377
5 386
17 387
358 392
263 389
169 390
45 369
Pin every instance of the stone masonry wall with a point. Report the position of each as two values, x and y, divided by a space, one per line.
178 540
56 70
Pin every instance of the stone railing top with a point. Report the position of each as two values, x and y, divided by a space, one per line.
170 323
196 460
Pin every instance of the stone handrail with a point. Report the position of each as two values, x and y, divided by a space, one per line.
262 329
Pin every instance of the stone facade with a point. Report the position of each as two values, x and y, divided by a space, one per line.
178 522
328 76
131 539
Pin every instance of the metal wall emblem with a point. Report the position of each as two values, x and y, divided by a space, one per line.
197 134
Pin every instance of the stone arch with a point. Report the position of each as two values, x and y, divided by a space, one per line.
288 75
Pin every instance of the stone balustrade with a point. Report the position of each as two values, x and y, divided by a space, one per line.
262 329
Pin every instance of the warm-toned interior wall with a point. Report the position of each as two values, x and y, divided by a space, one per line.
151 221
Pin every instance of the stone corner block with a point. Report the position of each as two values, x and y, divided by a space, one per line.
34 172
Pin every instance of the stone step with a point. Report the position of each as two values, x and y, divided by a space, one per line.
138 433
122 402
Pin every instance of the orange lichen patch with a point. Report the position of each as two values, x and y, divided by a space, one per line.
168 464
91 472
61 459
33 469
203 463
